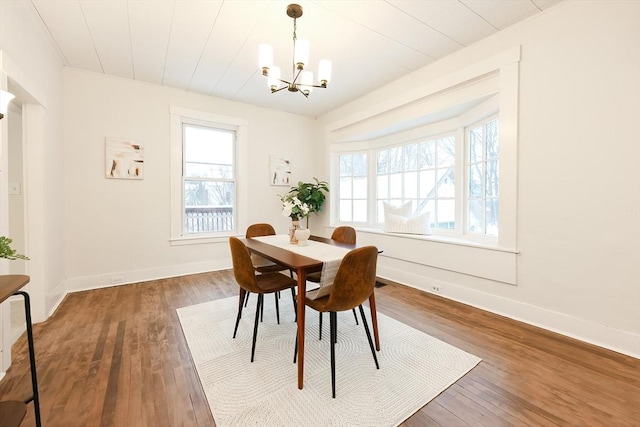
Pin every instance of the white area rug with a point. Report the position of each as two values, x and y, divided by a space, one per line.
414 368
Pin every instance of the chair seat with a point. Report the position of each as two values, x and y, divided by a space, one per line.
273 282
314 277
319 304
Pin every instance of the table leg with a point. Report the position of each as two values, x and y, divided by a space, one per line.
302 289
374 319
32 358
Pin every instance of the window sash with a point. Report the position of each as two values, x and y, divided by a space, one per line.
482 178
421 172
234 211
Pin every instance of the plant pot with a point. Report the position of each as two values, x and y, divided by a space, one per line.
302 235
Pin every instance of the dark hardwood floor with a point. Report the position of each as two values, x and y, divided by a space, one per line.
117 357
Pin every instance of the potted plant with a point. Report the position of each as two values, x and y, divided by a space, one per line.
311 194
302 201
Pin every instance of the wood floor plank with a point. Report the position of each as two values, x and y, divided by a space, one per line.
117 357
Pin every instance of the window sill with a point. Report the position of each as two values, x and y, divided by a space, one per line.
199 240
445 253
451 240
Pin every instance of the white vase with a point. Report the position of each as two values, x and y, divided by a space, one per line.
302 235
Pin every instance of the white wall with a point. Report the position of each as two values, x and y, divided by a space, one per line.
578 233
15 179
30 69
122 227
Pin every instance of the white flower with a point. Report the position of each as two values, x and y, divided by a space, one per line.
294 208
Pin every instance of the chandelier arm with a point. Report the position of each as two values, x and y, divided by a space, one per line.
278 90
280 80
319 86
295 79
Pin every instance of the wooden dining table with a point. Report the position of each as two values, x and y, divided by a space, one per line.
303 265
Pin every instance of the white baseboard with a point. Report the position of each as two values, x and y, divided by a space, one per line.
603 336
88 283
600 335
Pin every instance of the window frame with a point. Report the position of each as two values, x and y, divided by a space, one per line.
455 127
401 114
480 237
179 117
186 123
353 177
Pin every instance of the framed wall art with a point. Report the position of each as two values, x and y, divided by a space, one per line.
124 159
280 171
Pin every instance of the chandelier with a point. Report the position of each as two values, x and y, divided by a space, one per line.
302 79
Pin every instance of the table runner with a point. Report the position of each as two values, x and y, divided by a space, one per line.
330 255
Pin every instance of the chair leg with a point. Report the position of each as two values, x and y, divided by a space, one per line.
255 324
241 298
277 307
355 315
295 303
320 326
333 320
295 348
366 328
246 298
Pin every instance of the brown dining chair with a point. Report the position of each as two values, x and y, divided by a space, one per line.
263 265
353 285
249 281
342 234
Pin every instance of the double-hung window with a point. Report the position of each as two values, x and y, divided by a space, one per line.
208 178
206 159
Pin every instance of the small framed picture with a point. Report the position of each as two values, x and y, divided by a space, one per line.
280 171
124 159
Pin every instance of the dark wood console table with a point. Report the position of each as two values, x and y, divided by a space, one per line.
12 412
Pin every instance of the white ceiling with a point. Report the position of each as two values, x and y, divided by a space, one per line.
211 47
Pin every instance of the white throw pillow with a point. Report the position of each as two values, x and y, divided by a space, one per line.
418 224
402 210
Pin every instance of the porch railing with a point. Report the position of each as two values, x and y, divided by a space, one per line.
208 219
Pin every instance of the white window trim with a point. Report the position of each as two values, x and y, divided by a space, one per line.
360 131
178 116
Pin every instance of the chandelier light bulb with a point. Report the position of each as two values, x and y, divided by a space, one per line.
301 54
274 78
265 56
306 81
324 72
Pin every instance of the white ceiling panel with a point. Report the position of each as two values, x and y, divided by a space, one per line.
64 20
500 13
150 26
190 29
452 19
108 22
236 22
211 47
